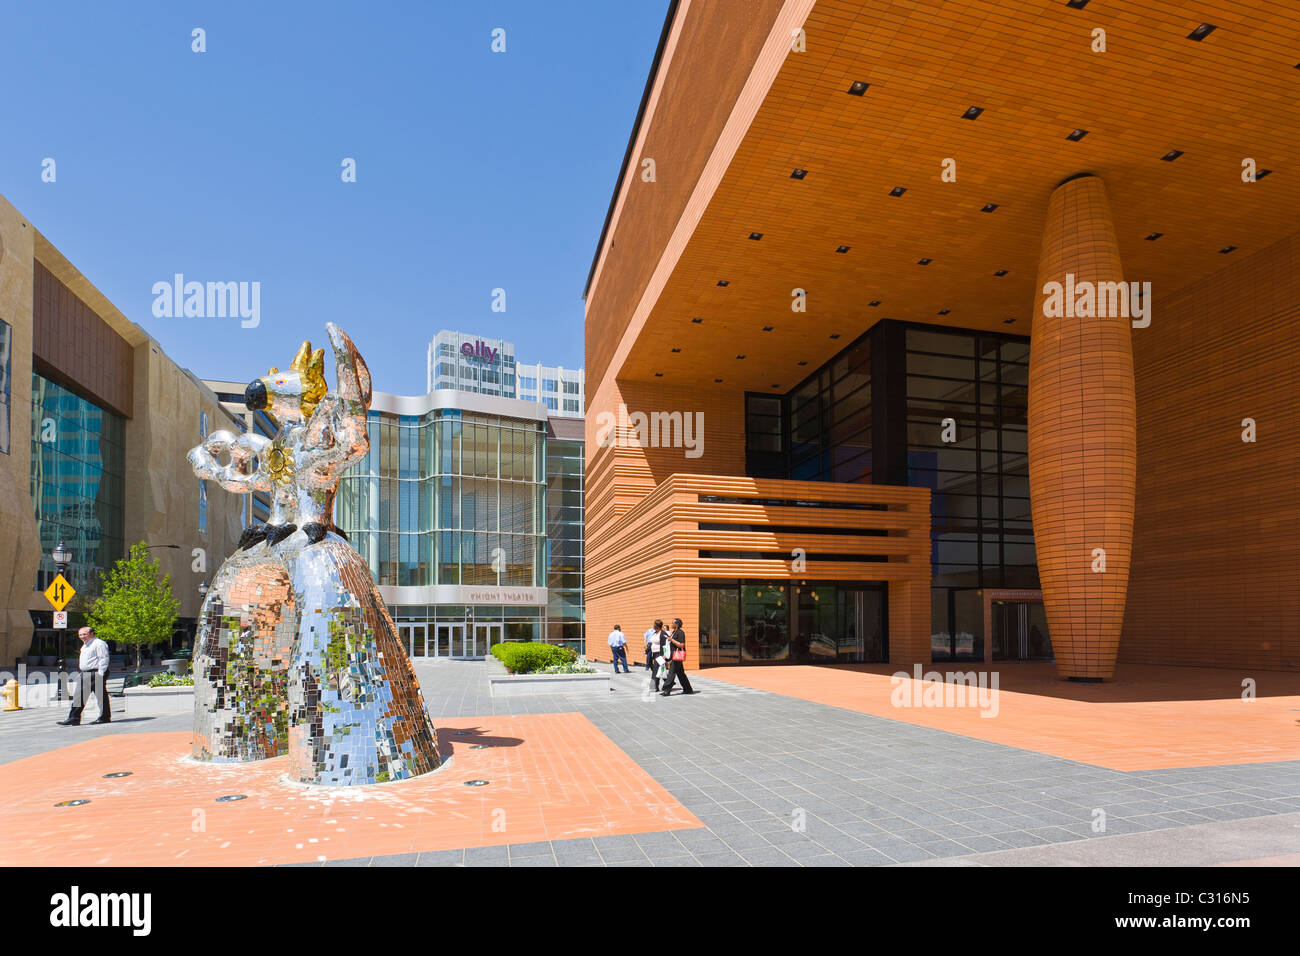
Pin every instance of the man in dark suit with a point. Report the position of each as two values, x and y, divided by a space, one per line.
677 669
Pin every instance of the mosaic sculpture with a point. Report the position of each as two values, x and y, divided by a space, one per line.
296 650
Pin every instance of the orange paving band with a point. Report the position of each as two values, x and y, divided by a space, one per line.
551 777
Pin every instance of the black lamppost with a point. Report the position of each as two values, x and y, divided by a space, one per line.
62 558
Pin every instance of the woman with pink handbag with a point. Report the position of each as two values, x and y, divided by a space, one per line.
677 671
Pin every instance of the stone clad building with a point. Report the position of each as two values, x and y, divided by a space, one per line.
94 428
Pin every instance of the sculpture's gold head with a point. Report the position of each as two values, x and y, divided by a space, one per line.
291 395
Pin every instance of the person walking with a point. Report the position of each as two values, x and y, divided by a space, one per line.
618 648
92 672
677 669
652 648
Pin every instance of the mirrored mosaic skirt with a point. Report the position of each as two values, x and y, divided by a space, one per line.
241 657
356 714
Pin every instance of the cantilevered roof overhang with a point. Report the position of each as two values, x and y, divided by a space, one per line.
1169 122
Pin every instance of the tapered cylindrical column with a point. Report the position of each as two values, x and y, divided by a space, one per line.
1082 430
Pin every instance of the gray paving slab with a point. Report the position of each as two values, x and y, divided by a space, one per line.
872 790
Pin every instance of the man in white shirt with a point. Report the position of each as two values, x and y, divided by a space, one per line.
618 648
92 672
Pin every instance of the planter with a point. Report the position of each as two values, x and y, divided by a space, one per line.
49 660
159 700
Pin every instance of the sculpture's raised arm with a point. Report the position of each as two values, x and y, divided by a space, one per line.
337 429
240 474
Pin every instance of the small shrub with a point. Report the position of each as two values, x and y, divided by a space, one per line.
170 680
526 657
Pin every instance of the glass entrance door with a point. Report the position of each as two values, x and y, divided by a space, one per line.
485 636
415 637
449 640
719 626
1020 632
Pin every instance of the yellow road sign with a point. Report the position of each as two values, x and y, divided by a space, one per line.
60 592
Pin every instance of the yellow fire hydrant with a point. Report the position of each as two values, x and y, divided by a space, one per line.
11 695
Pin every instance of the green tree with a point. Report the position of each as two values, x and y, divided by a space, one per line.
134 607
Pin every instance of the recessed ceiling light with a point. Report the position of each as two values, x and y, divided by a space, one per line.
1007 321
835 335
1226 249
1076 4
767 328
973 113
873 303
842 249
1154 236
1262 173
1077 135
1173 154
799 174
676 350
756 236
717 380
1201 32
697 320
1000 272
897 191
944 311
858 88
803 363
989 207
723 282
659 374
740 356
924 262
776 386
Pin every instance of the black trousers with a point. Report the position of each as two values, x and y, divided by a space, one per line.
677 671
651 667
86 682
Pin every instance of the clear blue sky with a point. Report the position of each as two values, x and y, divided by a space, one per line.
475 170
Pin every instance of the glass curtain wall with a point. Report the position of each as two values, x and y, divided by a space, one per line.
810 622
448 498
967 441
819 431
78 471
564 542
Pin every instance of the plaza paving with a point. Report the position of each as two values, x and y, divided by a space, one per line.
734 775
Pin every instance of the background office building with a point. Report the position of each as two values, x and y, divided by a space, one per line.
469 510
909 453
488 366
95 423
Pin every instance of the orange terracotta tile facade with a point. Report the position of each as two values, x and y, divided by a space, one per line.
1082 436
646 564
1215 551
1135 447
